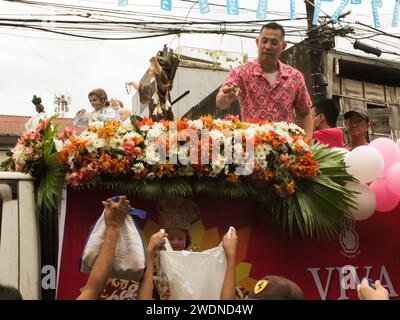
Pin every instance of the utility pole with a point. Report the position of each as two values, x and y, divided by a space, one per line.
310 13
317 44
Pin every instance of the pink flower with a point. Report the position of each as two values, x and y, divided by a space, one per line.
129 149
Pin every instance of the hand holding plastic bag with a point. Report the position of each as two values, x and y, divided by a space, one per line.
193 275
129 259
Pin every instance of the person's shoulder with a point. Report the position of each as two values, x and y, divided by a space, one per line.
334 130
246 65
289 70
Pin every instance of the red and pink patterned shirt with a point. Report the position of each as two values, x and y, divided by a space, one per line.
259 100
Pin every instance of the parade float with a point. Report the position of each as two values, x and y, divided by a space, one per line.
296 205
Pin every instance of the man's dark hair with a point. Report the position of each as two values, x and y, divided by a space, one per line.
329 109
9 293
274 26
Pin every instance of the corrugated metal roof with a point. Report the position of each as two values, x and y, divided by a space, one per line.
15 125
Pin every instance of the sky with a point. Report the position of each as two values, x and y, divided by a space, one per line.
36 62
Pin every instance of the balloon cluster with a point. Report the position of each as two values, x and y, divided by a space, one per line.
377 168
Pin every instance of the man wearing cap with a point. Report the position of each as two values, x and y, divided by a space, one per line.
276 288
357 125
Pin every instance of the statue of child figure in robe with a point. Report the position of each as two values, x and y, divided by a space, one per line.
102 110
33 122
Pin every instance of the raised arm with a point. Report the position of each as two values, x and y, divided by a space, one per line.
145 291
229 284
307 124
114 216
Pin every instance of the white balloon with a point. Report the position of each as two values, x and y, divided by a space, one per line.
365 163
365 200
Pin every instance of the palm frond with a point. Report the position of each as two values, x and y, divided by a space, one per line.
50 178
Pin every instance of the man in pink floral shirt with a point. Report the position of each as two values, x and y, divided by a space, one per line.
266 88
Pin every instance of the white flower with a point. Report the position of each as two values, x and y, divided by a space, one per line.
70 161
159 126
226 171
228 122
198 124
289 139
217 165
282 133
21 154
302 144
295 128
145 128
93 142
96 124
183 155
58 144
150 176
130 136
245 169
238 148
138 167
115 143
99 143
266 127
154 133
124 128
250 132
152 156
216 135
263 163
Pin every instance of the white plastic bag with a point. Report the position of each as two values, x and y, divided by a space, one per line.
193 275
129 259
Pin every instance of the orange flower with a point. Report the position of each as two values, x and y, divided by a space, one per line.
231 177
145 121
181 124
109 130
285 189
164 170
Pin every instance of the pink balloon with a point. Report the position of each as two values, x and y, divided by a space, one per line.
385 200
389 150
393 179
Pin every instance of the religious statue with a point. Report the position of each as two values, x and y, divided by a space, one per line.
33 122
102 110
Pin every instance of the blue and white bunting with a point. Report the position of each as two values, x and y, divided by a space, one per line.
204 7
262 9
292 10
317 8
375 13
395 19
355 1
232 7
123 2
166 5
339 10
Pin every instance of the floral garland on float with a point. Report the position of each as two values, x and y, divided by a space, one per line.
298 183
